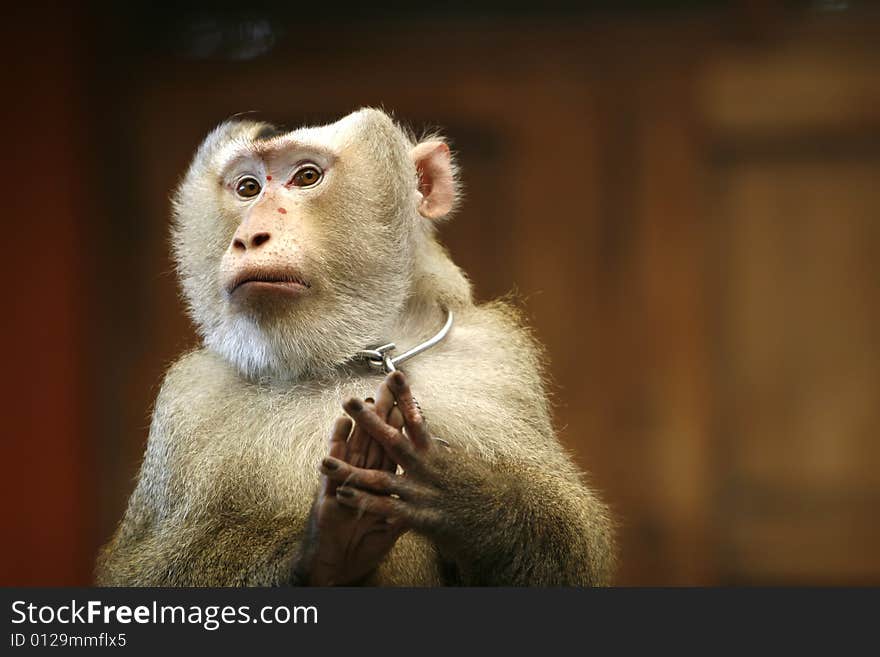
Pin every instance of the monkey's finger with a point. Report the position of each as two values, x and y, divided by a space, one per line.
384 400
375 453
413 419
401 514
359 444
387 411
381 505
377 481
395 443
395 419
338 437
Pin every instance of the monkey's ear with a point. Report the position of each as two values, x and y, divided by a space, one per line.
436 179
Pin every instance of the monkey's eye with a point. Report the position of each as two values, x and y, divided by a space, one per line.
248 187
307 176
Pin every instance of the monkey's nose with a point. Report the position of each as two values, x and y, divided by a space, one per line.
254 241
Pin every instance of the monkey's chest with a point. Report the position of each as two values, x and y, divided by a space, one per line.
256 467
265 467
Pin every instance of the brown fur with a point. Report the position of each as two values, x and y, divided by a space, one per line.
231 466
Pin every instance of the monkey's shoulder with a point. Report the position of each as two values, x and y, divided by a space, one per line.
492 344
196 380
486 384
203 391
202 400
499 326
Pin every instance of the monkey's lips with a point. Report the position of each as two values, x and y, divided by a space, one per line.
250 283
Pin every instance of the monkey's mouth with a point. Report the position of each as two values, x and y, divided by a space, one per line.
248 282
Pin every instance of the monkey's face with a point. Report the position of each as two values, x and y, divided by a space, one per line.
297 250
281 200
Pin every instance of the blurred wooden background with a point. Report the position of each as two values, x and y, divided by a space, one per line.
686 201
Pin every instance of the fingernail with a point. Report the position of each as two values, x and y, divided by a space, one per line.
370 400
329 464
354 405
398 379
345 492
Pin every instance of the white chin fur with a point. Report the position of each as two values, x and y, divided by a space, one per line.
290 348
248 347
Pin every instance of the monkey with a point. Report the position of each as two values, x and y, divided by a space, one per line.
295 251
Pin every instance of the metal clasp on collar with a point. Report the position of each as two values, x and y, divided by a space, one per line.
380 358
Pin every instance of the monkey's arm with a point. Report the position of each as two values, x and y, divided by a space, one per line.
159 544
189 524
172 536
518 524
230 552
508 521
502 523
139 553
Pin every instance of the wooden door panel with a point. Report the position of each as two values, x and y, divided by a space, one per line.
798 247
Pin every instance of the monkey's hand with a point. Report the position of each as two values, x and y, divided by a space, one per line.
427 496
347 544
500 522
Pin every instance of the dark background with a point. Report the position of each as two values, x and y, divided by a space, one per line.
684 195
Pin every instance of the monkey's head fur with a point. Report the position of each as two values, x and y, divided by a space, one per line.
295 250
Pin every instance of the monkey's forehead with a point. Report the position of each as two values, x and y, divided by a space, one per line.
328 140
321 138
